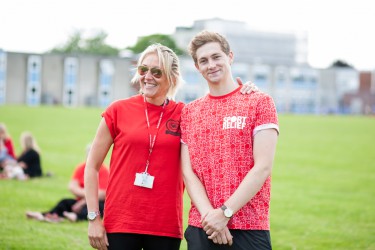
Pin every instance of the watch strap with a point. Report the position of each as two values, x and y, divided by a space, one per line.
223 207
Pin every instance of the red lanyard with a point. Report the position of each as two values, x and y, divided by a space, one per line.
152 140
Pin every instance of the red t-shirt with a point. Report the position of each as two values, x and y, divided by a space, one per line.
219 132
79 173
9 145
134 209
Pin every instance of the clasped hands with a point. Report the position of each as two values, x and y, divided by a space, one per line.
214 223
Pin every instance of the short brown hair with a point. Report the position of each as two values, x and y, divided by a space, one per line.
204 37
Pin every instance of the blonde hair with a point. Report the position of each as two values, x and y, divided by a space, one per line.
170 65
204 37
4 131
28 142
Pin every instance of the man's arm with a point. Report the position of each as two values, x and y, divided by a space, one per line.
193 185
101 194
264 151
79 191
75 189
199 196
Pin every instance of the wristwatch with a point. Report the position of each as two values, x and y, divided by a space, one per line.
92 215
227 211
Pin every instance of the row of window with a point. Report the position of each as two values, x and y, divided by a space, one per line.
71 64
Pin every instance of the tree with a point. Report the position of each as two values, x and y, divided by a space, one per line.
95 45
71 46
341 64
145 41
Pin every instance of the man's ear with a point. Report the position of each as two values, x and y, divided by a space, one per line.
231 57
196 66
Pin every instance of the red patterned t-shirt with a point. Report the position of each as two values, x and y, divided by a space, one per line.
219 132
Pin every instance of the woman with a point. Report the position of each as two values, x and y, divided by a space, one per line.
28 163
6 146
29 159
144 201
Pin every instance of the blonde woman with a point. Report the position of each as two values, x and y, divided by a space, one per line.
28 163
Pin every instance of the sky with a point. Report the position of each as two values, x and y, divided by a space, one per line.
342 30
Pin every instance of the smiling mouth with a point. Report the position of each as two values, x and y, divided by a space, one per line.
213 72
149 85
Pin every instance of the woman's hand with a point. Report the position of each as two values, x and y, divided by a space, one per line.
248 87
97 235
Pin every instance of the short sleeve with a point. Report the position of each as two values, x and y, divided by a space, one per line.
79 173
266 115
110 117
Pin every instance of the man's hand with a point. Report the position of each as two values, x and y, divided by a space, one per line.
224 237
214 222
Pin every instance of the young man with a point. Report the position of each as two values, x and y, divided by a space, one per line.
229 143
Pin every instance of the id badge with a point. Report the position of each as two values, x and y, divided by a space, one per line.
144 180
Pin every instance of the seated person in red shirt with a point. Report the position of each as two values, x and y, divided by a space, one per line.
28 164
6 146
74 209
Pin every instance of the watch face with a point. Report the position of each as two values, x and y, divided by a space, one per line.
91 215
228 213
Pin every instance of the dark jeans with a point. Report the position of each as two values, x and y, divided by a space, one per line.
65 205
197 239
128 241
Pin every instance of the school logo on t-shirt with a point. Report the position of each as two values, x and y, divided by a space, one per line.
237 122
173 127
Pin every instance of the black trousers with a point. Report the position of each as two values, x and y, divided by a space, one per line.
65 205
197 239
128 241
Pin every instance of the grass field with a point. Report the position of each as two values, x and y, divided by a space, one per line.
323 187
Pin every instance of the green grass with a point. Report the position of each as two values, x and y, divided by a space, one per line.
323 187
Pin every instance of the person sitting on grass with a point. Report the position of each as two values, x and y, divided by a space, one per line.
28 164
74 209
6 146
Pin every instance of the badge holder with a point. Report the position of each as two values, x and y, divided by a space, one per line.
144 180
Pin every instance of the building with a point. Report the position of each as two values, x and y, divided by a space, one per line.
295 89
68 80
361 101
249 45
336 82
275 62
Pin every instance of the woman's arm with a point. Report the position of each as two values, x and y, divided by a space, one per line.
99 149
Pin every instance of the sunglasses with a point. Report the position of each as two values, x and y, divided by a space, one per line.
155 72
